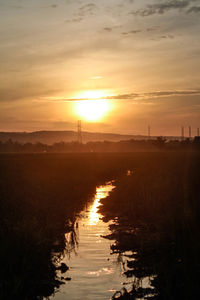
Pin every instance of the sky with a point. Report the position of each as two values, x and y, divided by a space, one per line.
142 56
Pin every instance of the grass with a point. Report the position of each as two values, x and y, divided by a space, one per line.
157 210
40 197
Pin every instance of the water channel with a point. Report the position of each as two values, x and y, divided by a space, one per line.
94 273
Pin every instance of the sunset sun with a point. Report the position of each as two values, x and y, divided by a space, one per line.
92 110
92 105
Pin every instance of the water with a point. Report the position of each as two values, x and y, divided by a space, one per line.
95 274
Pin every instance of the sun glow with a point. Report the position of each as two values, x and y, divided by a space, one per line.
92 105
91 94
92 110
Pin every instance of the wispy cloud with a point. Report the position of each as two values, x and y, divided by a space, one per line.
162 7
174 93
131 96
163 37
156 94
132 32
109 29
194 9
50 6
74 20
135 31
86 9
149 29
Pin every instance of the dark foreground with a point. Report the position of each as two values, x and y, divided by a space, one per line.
156 211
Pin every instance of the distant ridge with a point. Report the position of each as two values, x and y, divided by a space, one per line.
51 137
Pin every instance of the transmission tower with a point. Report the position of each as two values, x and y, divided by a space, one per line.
79 132
182 133
190 132
149 132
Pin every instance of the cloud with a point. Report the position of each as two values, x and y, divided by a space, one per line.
194 9
74 20
174 93
156 94
123 96
88 6
169 36
50 6
163 7
109 29
149 29
133 96
86 9
132 32
162 37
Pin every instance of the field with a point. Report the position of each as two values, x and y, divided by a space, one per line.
156 211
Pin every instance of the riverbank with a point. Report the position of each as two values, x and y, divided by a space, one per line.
40 198
156 211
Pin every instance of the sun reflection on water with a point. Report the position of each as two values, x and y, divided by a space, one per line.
101 192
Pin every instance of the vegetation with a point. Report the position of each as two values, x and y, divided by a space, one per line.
156 144
40 197
156 211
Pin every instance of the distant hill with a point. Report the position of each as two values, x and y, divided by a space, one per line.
51 137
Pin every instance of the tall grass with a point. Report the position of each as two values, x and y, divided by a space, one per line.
157 210
40 197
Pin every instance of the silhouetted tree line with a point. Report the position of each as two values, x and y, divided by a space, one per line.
107 146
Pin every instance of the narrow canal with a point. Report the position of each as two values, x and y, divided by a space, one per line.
94 273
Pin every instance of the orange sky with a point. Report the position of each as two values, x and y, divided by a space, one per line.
142 56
